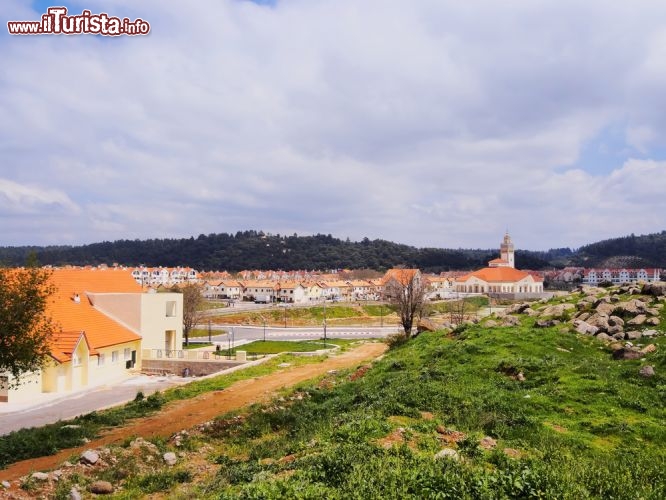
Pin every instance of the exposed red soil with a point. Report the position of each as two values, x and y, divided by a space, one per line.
179 415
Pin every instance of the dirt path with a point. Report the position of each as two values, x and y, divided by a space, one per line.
184 414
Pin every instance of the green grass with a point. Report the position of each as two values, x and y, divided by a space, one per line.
196 345
49 439
279 346
309 316
585 426
203 332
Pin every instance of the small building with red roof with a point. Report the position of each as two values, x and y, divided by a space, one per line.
105 324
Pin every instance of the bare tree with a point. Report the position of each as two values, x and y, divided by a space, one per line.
192 307
406 290
457 311
25 327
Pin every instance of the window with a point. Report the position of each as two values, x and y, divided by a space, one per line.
127 353
100 360
171 308
76 359
114 356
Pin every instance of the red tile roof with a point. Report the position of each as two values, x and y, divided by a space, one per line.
71 316
498 275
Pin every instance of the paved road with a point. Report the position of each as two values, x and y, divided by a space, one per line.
249 333
80 403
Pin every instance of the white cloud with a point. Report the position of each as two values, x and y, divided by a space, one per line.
426 122
18 198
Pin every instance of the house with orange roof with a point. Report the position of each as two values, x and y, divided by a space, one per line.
222 289
501 278
362 290
440 287
259 290
105 326
291 291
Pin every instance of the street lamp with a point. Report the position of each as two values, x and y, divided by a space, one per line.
381 315
209 333
285 315
324 332
264 329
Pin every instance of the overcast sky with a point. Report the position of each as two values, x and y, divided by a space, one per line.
427 122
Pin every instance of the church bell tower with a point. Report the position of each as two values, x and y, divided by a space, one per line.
507 250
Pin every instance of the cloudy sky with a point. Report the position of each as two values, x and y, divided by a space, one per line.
428 122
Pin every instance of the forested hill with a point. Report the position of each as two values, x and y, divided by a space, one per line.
645 250
258 250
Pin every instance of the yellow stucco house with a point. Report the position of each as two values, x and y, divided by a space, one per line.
104 320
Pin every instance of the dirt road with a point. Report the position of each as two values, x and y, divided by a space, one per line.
184 414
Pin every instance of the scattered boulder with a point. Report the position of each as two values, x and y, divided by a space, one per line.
427 325
654 289
89 457
648 349
627 353
491 323
585 328
599 320
545 323
615 329
170 458
633 335
487 443
634 306
556 310
615 321
583 316
605 338
6 485
637 320
101 488
605 308
510 321
40 476
74 494
448 453
650 333
647 371
652 321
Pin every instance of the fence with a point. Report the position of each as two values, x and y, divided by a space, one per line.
192 355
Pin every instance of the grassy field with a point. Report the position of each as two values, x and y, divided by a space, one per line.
528 412
49 439
279 346
579 426
336 315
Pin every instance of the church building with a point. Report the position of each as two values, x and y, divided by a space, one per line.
501 277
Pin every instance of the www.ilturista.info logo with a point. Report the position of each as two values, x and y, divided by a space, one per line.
57 22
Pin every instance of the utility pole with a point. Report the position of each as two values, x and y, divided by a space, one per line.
381 314
210 340
264 329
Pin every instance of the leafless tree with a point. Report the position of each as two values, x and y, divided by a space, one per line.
457 311
406 290
192 303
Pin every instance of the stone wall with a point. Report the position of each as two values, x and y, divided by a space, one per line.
177 367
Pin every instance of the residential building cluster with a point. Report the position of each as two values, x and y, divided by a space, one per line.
596 276
105 325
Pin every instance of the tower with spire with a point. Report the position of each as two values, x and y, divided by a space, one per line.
507 250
